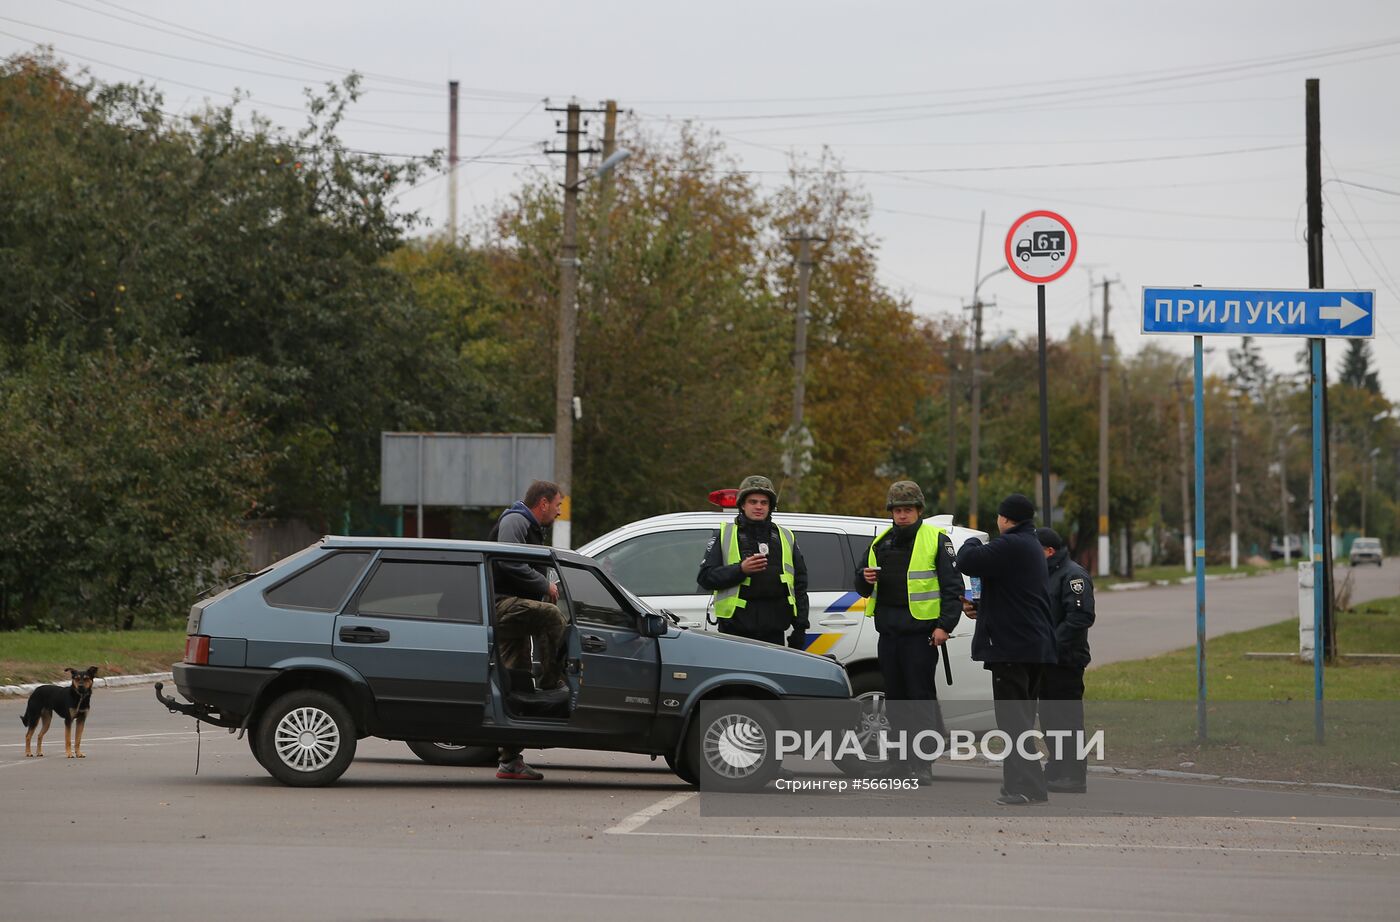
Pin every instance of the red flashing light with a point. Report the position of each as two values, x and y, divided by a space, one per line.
725 499
197 650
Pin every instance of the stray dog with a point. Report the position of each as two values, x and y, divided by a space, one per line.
72 703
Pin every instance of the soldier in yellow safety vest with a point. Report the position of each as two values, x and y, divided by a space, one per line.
915 594
756 572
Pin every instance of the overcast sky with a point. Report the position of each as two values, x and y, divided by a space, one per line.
1169 134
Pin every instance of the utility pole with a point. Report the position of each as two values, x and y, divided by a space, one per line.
568 325
452 160
1234 483
798 440
1105 359
951 490
975 435
1322 496
605 188
1283 500
1188 547
1125 553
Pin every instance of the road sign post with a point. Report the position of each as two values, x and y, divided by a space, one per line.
1316 313
1040 247
1200 549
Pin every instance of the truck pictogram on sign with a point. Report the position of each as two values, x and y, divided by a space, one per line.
1042 243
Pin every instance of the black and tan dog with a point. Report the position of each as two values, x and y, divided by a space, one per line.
71 703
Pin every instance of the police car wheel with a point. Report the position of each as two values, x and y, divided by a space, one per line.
732 745
867 687
454 754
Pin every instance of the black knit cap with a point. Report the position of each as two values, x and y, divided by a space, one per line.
1017 507
1049 537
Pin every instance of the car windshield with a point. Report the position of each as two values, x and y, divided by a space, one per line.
643 607
1367 544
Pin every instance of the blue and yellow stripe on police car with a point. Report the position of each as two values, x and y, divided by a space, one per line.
822 642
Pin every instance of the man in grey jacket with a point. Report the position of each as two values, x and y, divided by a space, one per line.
525 606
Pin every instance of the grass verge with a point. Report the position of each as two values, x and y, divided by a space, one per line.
28 656
1260 711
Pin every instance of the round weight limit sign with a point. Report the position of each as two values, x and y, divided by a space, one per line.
1041 246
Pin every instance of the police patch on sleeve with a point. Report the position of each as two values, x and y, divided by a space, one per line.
1076 586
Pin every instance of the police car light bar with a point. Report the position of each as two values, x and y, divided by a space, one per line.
725 499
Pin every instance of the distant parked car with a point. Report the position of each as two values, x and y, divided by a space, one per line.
1367 550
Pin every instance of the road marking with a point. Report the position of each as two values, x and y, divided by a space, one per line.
639 819
109 739
1026 842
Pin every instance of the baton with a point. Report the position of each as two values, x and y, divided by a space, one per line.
947 666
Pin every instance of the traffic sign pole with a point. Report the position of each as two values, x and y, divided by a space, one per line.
1200 549
1040 247
1319 536
1048 512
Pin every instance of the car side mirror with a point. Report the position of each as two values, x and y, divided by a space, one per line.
653 626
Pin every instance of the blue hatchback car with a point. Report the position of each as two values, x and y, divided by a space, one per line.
393 637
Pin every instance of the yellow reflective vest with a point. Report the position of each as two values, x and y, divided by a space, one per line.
727 601
923 575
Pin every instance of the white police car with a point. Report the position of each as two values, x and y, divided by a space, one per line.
659 558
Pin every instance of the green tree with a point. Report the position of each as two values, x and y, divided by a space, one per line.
1356 367
124 480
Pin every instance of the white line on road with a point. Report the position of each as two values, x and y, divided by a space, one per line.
1026 842
642 817
109 739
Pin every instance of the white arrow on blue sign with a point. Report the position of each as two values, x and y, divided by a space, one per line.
1311 312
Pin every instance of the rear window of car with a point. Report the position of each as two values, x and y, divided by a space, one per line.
323 586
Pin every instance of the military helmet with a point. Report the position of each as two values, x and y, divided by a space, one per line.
905 493
755 483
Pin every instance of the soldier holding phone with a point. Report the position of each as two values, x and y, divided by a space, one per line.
756 572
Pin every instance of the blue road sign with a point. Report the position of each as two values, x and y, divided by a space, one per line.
1311 312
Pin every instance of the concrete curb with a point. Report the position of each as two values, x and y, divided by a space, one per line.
116 681
1181 581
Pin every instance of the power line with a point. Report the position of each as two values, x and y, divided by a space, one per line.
350 120
1126 78
176 57
257 51
1359 185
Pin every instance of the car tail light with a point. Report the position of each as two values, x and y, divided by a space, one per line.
725 499
197 650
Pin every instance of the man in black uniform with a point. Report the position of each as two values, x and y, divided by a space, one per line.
756 572
916 600
1062 685
1014 638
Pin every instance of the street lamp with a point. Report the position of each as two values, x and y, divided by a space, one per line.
975 437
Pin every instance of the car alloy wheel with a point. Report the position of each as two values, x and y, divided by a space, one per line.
734 746
307 739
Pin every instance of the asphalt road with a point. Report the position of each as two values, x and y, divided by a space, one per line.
1144 622
132 833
